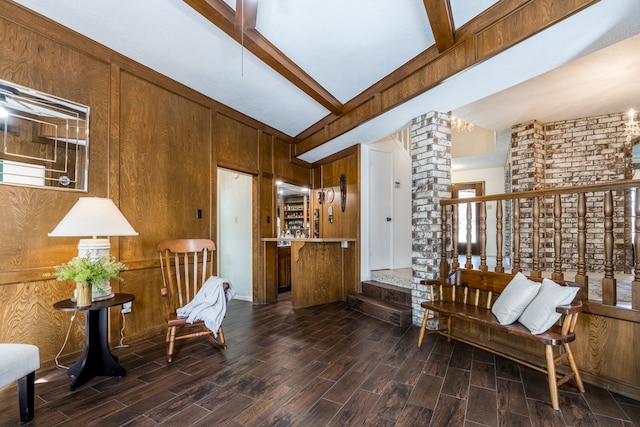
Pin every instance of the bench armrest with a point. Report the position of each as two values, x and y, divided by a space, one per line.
576 304
451 279
435 282
574 307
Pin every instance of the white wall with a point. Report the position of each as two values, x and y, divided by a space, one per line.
401 199
235 223
492 177
493 184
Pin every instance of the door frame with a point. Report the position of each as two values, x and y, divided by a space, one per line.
479 189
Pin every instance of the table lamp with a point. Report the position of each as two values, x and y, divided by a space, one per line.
94 216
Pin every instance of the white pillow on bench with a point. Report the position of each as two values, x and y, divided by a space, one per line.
541 314
515 297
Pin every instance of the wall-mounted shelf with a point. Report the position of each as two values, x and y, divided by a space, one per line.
295 213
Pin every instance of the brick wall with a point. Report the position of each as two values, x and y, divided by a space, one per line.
568 153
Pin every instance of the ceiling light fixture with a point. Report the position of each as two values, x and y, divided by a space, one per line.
460 125
631 128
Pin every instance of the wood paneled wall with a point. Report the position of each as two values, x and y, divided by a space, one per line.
345 223
154 149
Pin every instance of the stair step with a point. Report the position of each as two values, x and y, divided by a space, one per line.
387 292
387 311
401 277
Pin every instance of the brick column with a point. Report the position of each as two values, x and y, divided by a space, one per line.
431 177
527 156
528 173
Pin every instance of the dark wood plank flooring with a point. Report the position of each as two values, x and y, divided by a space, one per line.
322 366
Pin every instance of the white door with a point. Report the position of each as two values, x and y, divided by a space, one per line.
380 220
235 231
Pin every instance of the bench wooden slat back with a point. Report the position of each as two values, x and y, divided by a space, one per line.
494 282
478 289
485 285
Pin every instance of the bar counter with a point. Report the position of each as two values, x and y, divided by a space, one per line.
323 270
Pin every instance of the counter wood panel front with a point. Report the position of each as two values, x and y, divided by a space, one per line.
322 271
318 272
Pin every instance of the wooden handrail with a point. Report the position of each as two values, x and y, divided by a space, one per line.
534 234
599 187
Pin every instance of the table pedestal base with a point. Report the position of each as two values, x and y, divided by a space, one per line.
96 359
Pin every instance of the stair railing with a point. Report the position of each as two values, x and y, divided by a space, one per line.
579 229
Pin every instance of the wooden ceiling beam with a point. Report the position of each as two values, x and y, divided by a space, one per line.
500 27
441 20
223 17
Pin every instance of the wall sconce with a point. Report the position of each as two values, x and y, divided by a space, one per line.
631 128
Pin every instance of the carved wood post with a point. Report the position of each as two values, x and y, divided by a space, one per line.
444 261
469 264
557 239
609 296
483 236
516 236
454 237
535 239
499 237
635 285
581 277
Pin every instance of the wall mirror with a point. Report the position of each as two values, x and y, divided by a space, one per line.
293 206
45 139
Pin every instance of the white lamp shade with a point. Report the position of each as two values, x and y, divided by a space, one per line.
94 216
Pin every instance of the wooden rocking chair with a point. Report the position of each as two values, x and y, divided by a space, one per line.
184 270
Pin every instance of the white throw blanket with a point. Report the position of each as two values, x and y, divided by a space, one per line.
209 304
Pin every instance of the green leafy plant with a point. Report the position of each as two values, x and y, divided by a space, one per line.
82 269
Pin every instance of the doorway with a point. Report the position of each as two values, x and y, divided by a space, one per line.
235 231
465 191
380 208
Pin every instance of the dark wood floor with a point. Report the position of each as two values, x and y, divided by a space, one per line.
315 367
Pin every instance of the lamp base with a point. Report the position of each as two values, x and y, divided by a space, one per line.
103 297
94 249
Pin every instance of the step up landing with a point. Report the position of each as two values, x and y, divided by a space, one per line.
386 302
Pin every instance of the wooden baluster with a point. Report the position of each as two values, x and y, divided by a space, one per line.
454 237
499 237
609 296
516 236
635 285
557 274
535 239
469 264
444 261
581 277
483 237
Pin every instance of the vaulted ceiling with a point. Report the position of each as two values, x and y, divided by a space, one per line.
334 73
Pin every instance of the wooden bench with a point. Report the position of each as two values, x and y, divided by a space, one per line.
468 295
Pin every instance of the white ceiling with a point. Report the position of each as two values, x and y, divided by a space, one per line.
346 46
